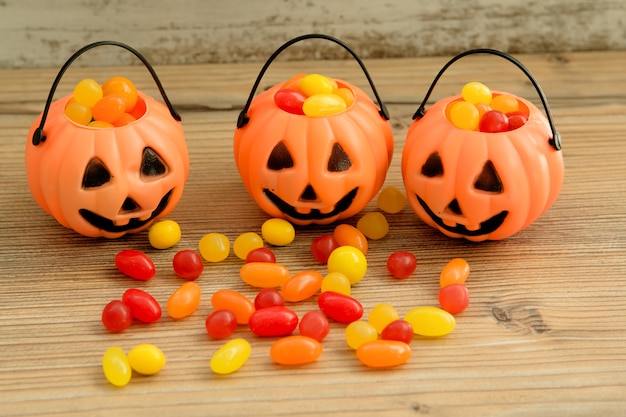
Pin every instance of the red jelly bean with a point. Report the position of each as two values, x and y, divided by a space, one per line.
314 324
295 350
143 306
290 100
322 246
261 255
400 330
340 307
401 264
268 297
454 298
135 264
116 316
188 264
302 285
234 301
273 321
220 324
494 121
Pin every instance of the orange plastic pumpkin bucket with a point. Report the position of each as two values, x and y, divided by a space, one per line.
107 181
312 169
481 185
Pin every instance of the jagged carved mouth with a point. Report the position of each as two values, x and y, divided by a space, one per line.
107 225
341 206
488 226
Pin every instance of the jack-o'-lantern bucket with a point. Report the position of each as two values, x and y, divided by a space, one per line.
482 165
312 149
107 178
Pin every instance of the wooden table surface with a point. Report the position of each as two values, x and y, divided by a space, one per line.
544 335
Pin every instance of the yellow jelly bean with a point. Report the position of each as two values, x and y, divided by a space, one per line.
100 124
391 200
88 92
336 282
476 92
116 367
323 105
214 247
381 315
430 321
146 359
278 232
374 225
464 115
231 356
346 95
359 332
78 113
246 242
313 84
164 234
349 261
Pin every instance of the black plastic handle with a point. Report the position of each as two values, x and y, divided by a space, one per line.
38 135
554 141
243 116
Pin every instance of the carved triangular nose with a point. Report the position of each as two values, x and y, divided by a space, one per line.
455 208
308 194
129 205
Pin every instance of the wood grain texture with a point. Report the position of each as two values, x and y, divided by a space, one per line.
43 33
544 333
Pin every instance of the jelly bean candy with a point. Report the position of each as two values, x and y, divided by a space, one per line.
337 282
78 113
184 301
483 109
391 200
517 119
494 121
116 367
464 115
314 324
401 264
290 100
264 274
135 264
188 264
143 306
100 124
430 321
476 92
246 242
321 105
383 353
347 235
373 225
268 297
261 255
234 301
454 298
116 316
346 95
220 324
214 247
302 286
322 246
109 109
381 315
349 261
164 234
340 307
273 321
231 356
359 332
121 87
126 119
88 92
139 110
146 359
295 350
400 330
314 84
506 103
278 232
455 272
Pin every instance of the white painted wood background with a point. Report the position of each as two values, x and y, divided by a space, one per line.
43 33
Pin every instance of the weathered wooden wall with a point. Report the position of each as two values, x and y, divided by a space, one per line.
43 33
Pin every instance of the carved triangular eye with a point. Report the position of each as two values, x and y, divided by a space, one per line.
433 167
488 180
151 164
339 160
96 174
280 158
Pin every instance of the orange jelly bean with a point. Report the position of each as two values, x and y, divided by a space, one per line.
264 274
347 235
184 301
302 285
295 350
455 272
383 353
241 306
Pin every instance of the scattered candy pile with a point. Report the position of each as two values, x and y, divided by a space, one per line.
112 104
313 95
380 341
483 111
